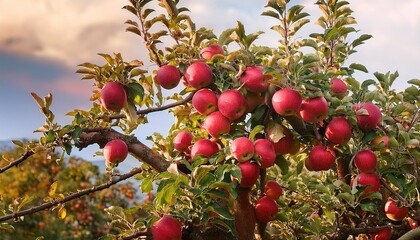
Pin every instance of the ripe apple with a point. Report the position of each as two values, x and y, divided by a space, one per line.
314 109
286 102
250 172
113 96
285 144
211 50
204 101
182 141
272 189
232 104
365 160
216 124
115 151
384 234
168 76
368 116
338 131
321 158
266 209
253 100
242 149
198 75
265 149
254 79
338 88
413 223
379 142
371 180
204 147
393 212
167 228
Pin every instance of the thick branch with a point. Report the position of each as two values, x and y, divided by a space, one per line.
413 234
156 109
135 147
73 196
25 156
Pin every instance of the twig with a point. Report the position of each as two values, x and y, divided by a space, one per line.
146 234
386 185
70 197
25 156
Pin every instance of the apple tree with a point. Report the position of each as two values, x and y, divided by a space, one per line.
266 142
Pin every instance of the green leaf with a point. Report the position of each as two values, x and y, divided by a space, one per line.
369 206
415 82
37 99
367 83
220 211
6 227
257 129
348 197
359 67
135 92
147 184
270 14
224 38
368 137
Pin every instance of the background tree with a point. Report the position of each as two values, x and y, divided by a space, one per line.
338 147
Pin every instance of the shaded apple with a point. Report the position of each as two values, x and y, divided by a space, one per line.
204 101
321 158
115 151
250 172
242 149
383 234
182 141
314 110
368 116
253 100
338 88
272 189
168 76
365 160
286 102
198 75
413 223
216 124
266 209
265 149
393 212
204 147
254 79
113 96
167 228
338 131
211 50
232 104
285 144
371 180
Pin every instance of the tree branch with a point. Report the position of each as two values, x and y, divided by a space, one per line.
25 156
71 196
395 193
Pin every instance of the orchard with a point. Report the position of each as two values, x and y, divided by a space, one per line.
266 142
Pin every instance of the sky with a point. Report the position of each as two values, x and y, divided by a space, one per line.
42 42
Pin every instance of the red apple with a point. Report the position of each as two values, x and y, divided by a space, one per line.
211 50
266 209
254 79
321 158
232 104
168 76
383 234
204 101
285 144
365 161
413 223
113 96
393 212
167 228
182 141
368 116
250 172
216 124
242 149
198 75
115 151
286 102
265 149
272 189
314 109
379 142
204 147
253 100
41 225
338 88
338 131
371 180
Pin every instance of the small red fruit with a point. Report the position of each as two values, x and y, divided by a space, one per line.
286 102
321 158
393 212
266 209
314 110
205 101
254 79
168 76
371 180
216 124
204 147
338 88
198 75
365 161
182 141
285 144
167 228
113 96
338 131
250 172
242 149
384 234
265 149
368 116
272 189
232 104
211 50
115 151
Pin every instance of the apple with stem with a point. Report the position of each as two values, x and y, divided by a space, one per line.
167 228
115 151
368 116
198 75
232 104
266 209
242 149
211 50
338 131
272 189
254 79
216 124
321 158
113 96
182 141
365 160
250 172
394 212
338 88
204 101
168 76
314 110
286 102
265 149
